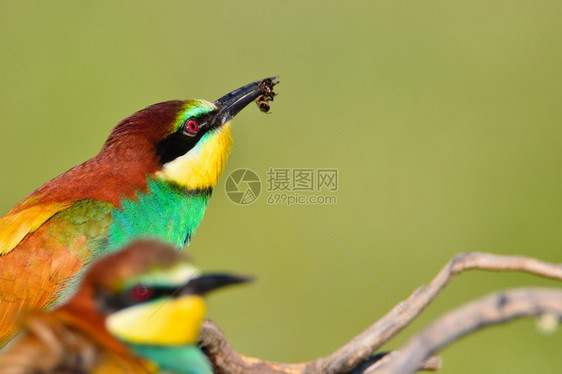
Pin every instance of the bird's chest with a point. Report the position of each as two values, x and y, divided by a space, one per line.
182 359
164 212
90 230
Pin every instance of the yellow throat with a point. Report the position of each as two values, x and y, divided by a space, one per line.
202 166
174 321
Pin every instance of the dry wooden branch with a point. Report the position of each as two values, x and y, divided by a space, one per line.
360 348
227 361
433 363
493 309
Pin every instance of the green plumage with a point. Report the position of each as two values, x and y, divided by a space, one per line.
85 218
165 212
175 360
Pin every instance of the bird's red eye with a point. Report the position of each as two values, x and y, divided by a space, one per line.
192 126
141 293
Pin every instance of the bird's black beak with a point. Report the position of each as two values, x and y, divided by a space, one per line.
209 282
232 103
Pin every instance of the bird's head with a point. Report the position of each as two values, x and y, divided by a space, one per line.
185 142
150 294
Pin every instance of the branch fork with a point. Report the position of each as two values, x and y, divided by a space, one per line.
357 355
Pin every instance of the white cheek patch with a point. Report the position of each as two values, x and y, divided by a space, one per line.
180 274
176 166
177 275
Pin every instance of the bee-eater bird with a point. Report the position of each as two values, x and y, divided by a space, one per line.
152 179
136 311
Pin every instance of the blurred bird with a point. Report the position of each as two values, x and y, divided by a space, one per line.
152 179
136 311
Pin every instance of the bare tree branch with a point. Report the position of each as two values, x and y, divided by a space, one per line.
490 310
360 348
227 361
402 315
433 363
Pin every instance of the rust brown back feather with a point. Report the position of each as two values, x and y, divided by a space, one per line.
120 168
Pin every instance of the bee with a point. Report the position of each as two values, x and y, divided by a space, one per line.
266 86
263 103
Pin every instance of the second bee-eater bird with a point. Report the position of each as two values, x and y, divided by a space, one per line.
136 311
152 179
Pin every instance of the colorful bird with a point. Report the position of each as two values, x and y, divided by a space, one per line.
152 179
136 311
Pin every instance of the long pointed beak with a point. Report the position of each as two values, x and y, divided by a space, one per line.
209 282
232 103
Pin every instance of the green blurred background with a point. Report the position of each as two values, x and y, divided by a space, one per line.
459 150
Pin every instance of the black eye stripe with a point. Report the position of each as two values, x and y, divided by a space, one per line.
112 302
180 142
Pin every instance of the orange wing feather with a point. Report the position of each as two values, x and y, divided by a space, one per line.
16 224
32 273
